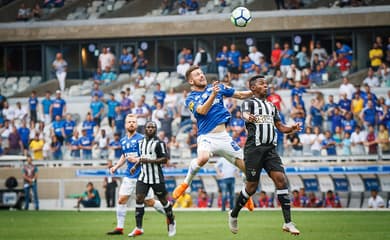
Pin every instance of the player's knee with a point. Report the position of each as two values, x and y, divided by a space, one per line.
251 188
149 202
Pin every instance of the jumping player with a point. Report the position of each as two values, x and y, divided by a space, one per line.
206 103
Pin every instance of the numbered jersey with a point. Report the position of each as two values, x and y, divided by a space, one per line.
130 147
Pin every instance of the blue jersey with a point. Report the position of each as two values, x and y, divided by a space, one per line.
69 127
24 134
46 103
57 127
130 147
224 56
160 96
235 58
33 102
96 107
86 141
345 104
117 151
58 107
217 114
299 92
88 126
111 107
75 142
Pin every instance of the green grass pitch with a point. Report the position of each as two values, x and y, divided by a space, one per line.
85 225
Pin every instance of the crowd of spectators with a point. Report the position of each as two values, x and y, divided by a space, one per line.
35 13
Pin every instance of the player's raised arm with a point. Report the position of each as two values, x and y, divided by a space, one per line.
119 164
205 107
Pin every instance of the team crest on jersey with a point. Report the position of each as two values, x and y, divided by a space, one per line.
204 95
253 172
191 106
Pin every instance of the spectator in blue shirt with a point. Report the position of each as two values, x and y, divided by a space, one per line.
97 109
115 145
57 129
234 61
24 133
69 127
96 91
33 103
112 103
159 94
125 104
348 124
287 58
345 50
46 106
345 103
126 62
222 62
119 121
336 119
329 144
248 66
55 148
193 7
74 146
108 76
369 115
89 125
86 143
58 106
316 114
141 63
329 111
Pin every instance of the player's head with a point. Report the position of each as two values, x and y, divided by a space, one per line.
195 77
150 129
131 123
258 85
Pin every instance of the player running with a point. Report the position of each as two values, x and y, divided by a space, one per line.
206 103
262 117
153 153
130 148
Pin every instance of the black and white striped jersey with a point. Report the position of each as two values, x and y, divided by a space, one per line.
262 132
151 173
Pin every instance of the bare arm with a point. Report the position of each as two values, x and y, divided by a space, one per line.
296 127
118 164
204 109
242 94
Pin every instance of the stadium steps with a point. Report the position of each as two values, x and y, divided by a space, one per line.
69 7
134 8
9 12
354 78
51 85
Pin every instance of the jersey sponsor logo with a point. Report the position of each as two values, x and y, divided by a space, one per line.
191 106
264 119
235 146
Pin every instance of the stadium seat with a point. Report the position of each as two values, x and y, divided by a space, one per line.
75 90
341 187
35 80
162 76
11 82
356 188
325 183
2 81
123 77
119 4
24 83
295 182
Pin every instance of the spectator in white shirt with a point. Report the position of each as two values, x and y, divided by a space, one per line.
357 141
347 87
106 58
255 55
182 68
375 201
371 79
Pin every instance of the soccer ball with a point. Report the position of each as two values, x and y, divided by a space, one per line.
240 16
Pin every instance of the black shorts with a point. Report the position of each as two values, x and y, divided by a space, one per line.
234 70
257 158
158 189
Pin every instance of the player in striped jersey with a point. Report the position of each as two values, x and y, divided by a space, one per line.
153 153
261 117
130 148
206 104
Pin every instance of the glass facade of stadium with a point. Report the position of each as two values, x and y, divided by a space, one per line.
35 58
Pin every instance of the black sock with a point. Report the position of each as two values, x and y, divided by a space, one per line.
240 203
284 200
169 212
139 214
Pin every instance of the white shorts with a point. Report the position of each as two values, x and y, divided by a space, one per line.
221 144
127 188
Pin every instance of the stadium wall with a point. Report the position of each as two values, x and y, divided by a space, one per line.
199 24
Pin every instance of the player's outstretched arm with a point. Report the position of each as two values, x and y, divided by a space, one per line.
296 127
118 164
242 94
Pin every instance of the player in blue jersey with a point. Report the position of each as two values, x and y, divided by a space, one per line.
206 103
130 147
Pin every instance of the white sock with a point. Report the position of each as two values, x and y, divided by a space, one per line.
121 215
159 207
192 171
